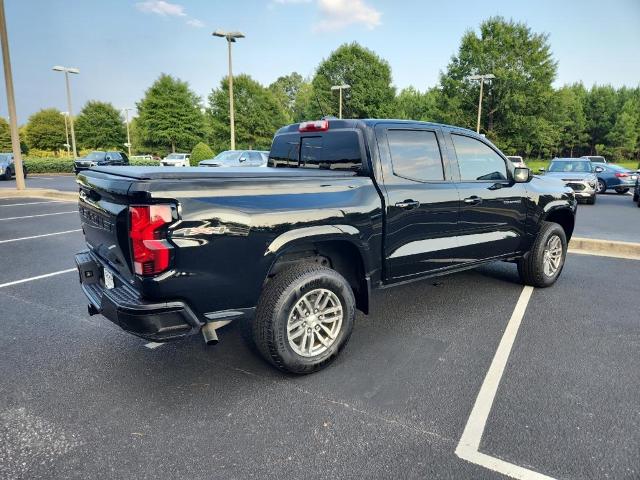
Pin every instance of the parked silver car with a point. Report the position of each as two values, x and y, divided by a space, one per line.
579 174
237 158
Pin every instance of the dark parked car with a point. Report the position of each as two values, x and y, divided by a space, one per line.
636 189
595 158
102 159
615 177
348 206
8 168
579 174
237 158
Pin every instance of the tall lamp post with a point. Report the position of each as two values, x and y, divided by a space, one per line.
231 38
340 88
67 71
66 132
126 115
11 101
481 78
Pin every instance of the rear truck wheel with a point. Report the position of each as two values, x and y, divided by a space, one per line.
622 190
635 196
304 318
591 200
7 174
602 186
542 267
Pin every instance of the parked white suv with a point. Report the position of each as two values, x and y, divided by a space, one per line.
176 160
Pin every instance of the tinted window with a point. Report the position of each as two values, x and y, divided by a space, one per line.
337 150
255 158
415 154
477 161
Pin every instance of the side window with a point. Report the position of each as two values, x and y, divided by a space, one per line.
415 155
477 161
255 158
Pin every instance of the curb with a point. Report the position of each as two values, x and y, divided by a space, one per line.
39 193
607 248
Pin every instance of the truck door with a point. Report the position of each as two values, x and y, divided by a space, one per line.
492 207
421 200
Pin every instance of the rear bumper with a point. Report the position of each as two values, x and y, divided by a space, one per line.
157 321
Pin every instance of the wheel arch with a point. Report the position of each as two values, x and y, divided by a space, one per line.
564 217
337 246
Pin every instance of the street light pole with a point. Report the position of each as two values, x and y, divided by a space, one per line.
11 101
340 88
126 114
231 38
481 78
66 132
67 71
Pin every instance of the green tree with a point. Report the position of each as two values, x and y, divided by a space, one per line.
412 104
623 136
5 136
200 152
286 89
45 130
100 126
600 109
516 102
303 106
371 94
569 119
169 116
258 114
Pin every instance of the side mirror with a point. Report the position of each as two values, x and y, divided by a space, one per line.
521 174
108 158
243 159
542 170
598 170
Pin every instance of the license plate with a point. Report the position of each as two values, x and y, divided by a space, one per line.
108 279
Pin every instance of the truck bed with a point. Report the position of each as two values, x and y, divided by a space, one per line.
190 173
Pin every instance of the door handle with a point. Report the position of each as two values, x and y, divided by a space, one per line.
473 200
408 204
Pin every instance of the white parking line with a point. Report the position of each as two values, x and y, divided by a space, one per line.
34 216
152 345
470 441
31 203
40 236
46 275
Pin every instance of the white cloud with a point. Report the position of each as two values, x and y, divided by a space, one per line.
194 22
160 7
337 14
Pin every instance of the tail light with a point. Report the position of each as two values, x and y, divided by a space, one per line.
622 175
149 247
314 126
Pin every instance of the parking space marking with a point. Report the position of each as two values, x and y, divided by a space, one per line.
152 345
469 443
31 203
34 216
30 279
40 236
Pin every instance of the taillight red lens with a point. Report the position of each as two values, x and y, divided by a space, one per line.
150 250
314 126
622 175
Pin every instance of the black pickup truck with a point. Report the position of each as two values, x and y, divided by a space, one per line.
345 207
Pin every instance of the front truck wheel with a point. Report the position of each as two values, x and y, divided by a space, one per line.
304 318
542 267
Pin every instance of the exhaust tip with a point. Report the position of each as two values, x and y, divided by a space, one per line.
209 334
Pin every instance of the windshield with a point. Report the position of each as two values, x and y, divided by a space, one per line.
175 156
5 157
95 156
579 166
229 156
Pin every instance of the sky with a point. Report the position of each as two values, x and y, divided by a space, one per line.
122 46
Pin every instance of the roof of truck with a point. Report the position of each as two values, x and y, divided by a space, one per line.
372 122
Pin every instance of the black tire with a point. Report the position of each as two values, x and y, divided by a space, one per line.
602 186
622 190
531 267
635 196
24 172
7 174
591 200
278 299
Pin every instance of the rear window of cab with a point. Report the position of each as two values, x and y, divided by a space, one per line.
333 150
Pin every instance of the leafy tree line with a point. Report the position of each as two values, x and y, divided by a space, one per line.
521 110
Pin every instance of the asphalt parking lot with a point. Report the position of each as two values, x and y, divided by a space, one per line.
81 399
66 183
613 217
